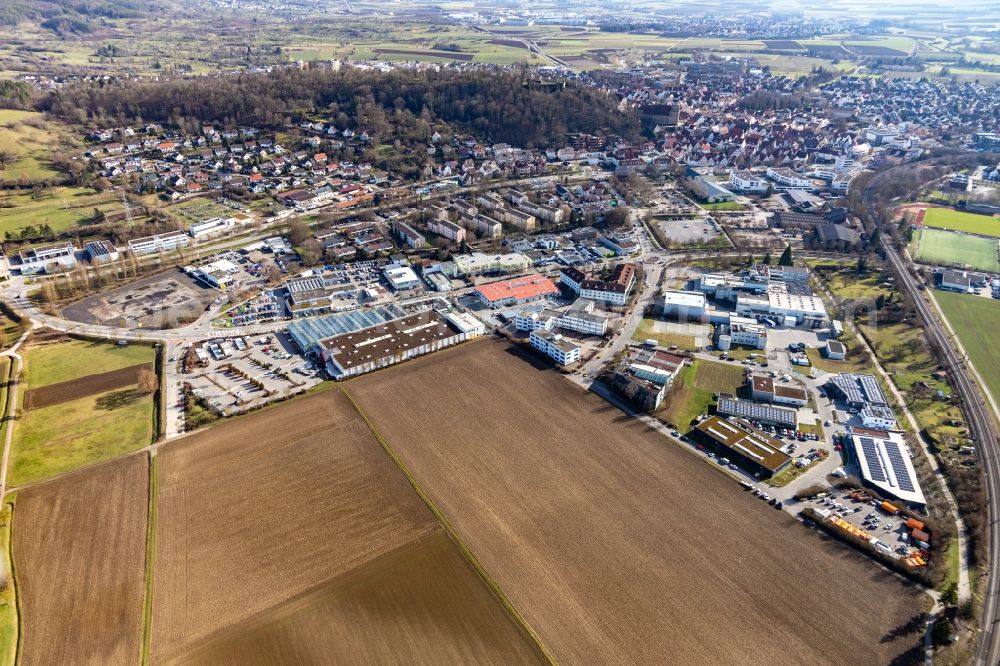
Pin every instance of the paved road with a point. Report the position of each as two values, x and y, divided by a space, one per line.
12 390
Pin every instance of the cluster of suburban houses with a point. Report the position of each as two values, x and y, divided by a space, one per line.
220 159
922 106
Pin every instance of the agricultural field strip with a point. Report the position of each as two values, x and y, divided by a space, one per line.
79 545
547 494
454 535
304 462
53 394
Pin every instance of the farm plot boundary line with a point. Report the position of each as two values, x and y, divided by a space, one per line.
145 647
453 535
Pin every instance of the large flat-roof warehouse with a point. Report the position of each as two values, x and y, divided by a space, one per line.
885 464
751 450
358 352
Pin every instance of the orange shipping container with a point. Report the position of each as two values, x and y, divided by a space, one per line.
889 508
920 536
914 524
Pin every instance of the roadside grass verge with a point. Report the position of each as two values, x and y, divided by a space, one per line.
9 617
147 607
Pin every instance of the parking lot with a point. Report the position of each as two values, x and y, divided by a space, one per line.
890 530
239 373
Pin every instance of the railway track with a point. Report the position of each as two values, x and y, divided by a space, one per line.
981 424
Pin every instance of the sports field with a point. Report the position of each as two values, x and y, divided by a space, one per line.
948 248
976 320
956 220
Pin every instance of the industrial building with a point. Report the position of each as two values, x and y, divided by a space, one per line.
166 242
315 295
516 291
755 411
740 331
765 389
357 352
42 259
672 363
834 350
751 450
862 392
309 333
101 252
403 279
217 274
643 393
884 460
683 305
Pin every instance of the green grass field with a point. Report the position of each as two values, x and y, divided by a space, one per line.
70 435
723 205
956 220
934 246
8 601
60 207
694 389
72 359
975 320
646 330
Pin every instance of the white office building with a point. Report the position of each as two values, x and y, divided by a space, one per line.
747 183
159 243
558 348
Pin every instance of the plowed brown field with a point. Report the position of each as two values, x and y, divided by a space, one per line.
613 543
80 548
421 603
268 510
53 394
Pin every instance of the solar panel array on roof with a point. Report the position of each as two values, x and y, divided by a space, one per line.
872 460
756 411
898 466
849 388
871 388
308 332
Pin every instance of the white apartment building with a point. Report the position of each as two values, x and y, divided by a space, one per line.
747 183
555 346
447 229
788 178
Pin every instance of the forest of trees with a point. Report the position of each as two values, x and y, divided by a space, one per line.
500 107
